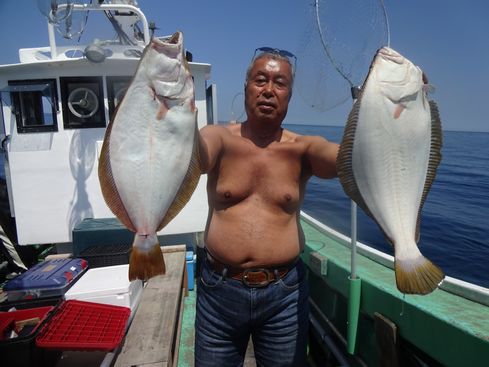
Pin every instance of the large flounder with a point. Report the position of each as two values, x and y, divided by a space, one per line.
148 166
388 160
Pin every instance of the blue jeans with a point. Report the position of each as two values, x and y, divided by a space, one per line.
228 312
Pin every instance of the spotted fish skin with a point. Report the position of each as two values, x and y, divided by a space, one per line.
388 158
149 164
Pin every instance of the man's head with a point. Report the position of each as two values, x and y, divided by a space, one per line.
276 54
268 86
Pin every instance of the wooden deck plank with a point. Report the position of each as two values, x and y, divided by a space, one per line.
150 338
178 332
249 360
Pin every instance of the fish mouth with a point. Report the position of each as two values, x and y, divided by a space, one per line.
390 55
170 46
175 38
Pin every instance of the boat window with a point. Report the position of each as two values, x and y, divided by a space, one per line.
34 104
83 102
116 88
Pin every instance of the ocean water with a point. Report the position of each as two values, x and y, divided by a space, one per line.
455 217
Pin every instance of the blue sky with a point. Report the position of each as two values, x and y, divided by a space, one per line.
449 40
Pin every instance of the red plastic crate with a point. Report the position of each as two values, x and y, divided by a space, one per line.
79 325
7 318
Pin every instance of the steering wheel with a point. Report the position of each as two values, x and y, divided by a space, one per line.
83 102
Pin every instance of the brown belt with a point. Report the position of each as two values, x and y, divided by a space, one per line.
252 277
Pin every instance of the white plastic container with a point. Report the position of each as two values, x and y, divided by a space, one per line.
109 285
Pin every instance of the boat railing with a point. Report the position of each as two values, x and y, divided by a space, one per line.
99 7
455 286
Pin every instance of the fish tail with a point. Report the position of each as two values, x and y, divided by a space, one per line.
418 275
146 258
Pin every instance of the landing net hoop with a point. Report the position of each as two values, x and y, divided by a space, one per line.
337 47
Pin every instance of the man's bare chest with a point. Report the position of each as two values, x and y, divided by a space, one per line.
268 176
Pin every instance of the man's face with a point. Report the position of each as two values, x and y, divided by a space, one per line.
268 90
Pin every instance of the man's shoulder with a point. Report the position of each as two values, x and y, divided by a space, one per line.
293 137
222 128
310 138
308 142
213 131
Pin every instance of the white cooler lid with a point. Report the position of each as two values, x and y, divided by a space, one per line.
102 281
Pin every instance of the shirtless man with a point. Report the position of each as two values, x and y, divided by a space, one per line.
252 280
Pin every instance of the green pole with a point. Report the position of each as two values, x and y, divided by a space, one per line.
353 312
355 283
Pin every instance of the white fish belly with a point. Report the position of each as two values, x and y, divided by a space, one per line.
390 163
149 157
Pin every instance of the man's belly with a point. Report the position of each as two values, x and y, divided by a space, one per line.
247 240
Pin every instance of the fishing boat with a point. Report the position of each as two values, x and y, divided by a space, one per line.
56 103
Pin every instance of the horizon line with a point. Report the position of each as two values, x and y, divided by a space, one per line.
312 124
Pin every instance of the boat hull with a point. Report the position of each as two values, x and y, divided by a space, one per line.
428 327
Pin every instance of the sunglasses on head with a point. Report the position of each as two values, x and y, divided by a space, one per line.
283 53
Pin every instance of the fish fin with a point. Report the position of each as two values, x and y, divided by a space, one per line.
398 111
434 159
188 185
146 258
428 88
417 276
107 183
344 163
163 110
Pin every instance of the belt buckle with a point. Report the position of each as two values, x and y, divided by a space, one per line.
261 284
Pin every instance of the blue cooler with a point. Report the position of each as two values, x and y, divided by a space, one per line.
190 260
51 278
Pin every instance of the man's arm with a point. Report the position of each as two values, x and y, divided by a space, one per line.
321 155
210 146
